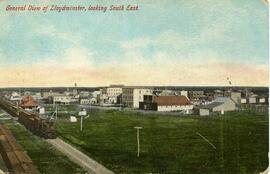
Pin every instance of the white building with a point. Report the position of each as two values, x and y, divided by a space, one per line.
252 99
15 97
85 101
262 100
37 96
184 93
236 97
112 99
110 95
93 100
204 112
95 94
103 99
64 99
131 97
88 101
173 103
114 91
243 100
220 104
85 94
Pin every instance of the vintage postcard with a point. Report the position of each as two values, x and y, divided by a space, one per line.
134 86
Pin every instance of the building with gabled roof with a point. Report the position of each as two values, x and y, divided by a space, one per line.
166 103
28 102
220 104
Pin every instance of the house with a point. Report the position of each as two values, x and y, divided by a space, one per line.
15 97
236 97
131 97
114 90
88 100
112 99
84 94
196 94
220 104
46 95
243 100
111 94
165 92
85 101
37 96
28 103
261 100
184 93
93 101
103 98
166 103
64 99
252 99
204 111
95 97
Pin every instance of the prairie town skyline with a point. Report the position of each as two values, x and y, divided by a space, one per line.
176 43
134 86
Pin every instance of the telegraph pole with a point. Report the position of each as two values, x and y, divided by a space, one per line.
82 113
81 121
56 113
121 102
138 140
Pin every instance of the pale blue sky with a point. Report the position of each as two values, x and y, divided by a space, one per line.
241 27
180 31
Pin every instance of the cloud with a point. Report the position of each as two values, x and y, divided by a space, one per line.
50 31
58 74
78 58
3 58
193 48
137 43
164 66
169 46
4 23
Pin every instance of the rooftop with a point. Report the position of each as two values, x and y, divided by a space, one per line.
171 100
28 101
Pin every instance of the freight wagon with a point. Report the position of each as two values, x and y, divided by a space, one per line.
32 121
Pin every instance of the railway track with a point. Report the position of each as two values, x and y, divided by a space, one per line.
16 160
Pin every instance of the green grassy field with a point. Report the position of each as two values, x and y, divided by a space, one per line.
171 144
44 156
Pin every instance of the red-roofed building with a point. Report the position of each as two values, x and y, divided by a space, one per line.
166 103
28 103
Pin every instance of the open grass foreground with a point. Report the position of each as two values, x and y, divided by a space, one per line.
44 156
172 144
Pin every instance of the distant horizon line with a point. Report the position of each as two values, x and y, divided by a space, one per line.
119 85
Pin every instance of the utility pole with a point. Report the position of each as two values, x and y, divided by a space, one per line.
81 121
82 113
56 113
138 140
121 102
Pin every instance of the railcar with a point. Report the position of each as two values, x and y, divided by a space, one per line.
32 121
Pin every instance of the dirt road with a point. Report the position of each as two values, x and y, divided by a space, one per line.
79 158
